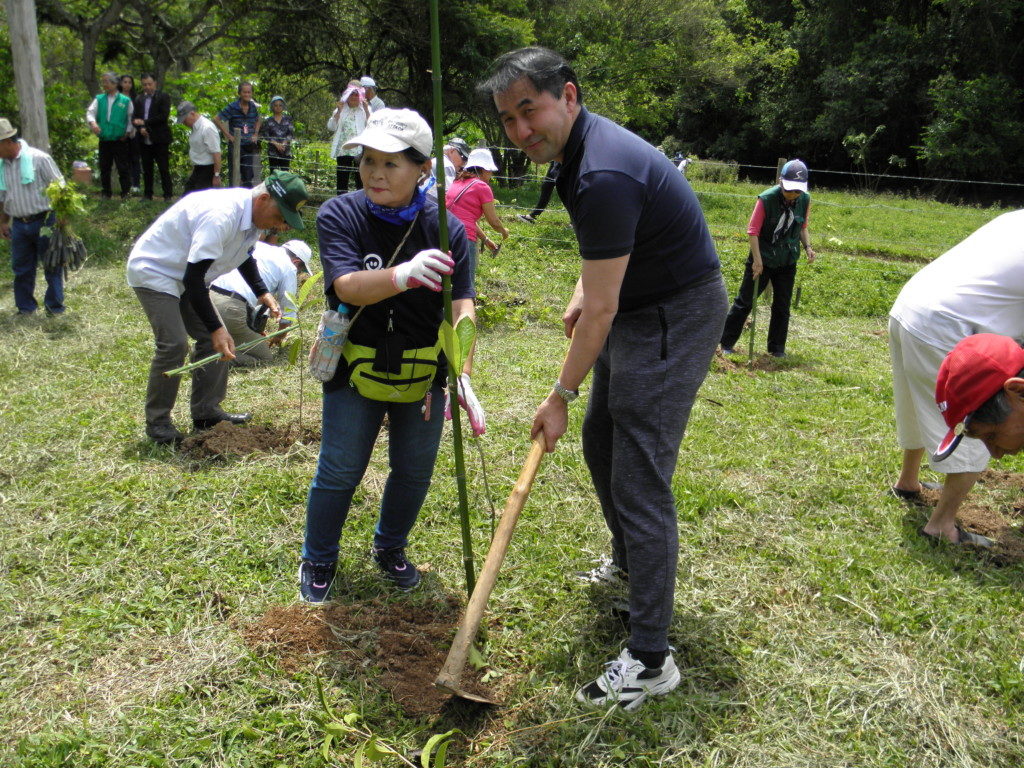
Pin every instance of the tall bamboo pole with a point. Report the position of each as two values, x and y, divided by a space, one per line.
453 375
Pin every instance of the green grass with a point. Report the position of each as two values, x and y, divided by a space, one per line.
812 625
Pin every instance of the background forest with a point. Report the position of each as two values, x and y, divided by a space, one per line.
909 87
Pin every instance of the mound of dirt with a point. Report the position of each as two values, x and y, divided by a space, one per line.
1009 546
230 440
407 643
999 478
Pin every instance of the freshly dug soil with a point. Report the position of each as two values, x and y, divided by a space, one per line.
407 643
232 440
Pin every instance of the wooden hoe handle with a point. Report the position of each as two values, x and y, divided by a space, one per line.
451 672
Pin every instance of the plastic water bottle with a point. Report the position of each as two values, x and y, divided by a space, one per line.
330 338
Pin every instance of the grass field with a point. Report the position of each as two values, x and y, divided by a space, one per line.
813 626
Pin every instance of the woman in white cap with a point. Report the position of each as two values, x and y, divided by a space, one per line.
470 197
279 132
379 247
370 89
348 120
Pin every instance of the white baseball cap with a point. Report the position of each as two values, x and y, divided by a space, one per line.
481 158
392 130
367 82
301 251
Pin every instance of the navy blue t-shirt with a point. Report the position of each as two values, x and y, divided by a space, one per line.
352 239
626 197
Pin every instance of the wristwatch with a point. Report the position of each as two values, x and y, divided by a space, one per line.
568 395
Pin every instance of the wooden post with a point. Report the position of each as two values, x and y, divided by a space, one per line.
236 159
28 72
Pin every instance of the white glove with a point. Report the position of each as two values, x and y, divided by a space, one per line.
469 403
425 268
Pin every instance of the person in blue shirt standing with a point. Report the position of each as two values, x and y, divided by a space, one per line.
244 114
645 317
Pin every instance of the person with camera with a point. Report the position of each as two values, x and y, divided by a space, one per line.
348 120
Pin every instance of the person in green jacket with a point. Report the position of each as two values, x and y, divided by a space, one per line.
110 118
777 228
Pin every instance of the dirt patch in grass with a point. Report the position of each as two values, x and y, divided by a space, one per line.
999 478
995 523
230 440
407 643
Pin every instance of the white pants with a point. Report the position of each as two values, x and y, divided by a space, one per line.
919 424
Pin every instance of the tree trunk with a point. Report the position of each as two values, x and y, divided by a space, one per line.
28 72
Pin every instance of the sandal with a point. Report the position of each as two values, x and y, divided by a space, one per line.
914 497
966 538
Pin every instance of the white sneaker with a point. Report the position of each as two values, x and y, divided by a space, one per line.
606 574
526 218
628 683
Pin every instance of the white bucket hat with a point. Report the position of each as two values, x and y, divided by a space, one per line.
481 158
392 130
301 251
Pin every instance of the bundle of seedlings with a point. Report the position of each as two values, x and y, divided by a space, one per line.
66 250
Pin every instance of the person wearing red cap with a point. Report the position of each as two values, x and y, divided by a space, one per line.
977 287
980 392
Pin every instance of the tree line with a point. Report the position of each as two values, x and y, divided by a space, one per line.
912 87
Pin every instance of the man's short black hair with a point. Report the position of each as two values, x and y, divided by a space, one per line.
244 83
996 409
545 69
144 75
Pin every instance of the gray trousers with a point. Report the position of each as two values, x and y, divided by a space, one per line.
233 314
644 384
173 320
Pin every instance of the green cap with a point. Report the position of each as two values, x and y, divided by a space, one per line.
289 192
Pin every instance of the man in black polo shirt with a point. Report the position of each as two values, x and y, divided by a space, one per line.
646 316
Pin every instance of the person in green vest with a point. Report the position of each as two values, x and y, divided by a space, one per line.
777 228
110 117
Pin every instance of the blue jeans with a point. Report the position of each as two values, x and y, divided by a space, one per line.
351 424
27 248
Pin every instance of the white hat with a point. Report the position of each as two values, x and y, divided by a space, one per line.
392 130
481 158
301 251
367 82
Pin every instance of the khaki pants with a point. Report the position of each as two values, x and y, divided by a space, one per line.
173 321
232 313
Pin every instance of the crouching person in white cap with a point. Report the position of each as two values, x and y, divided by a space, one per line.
201 237
243 314
379 247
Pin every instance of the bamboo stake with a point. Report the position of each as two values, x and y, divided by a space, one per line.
453 375
753 320
214 358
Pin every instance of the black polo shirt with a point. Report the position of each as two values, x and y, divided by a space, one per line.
626 197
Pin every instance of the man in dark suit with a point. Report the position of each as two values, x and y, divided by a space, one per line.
152 111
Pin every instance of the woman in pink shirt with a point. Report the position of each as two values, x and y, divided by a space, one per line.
470 197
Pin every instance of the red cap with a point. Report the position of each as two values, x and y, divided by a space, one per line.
973 371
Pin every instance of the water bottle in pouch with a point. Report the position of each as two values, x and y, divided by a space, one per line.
330 338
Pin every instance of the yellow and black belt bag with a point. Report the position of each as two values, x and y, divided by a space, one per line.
391 372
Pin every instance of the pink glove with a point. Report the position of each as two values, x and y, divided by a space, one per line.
469 403
425 268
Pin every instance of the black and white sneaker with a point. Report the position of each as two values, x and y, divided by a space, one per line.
395 567
628 683
606 574
315 580
609 584
526 218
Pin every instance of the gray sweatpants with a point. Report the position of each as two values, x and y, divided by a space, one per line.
173 320
644 384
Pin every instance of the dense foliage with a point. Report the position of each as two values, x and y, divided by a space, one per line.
920 88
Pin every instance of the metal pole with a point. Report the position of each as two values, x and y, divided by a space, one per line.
453 375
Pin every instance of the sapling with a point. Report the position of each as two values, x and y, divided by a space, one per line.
66 250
